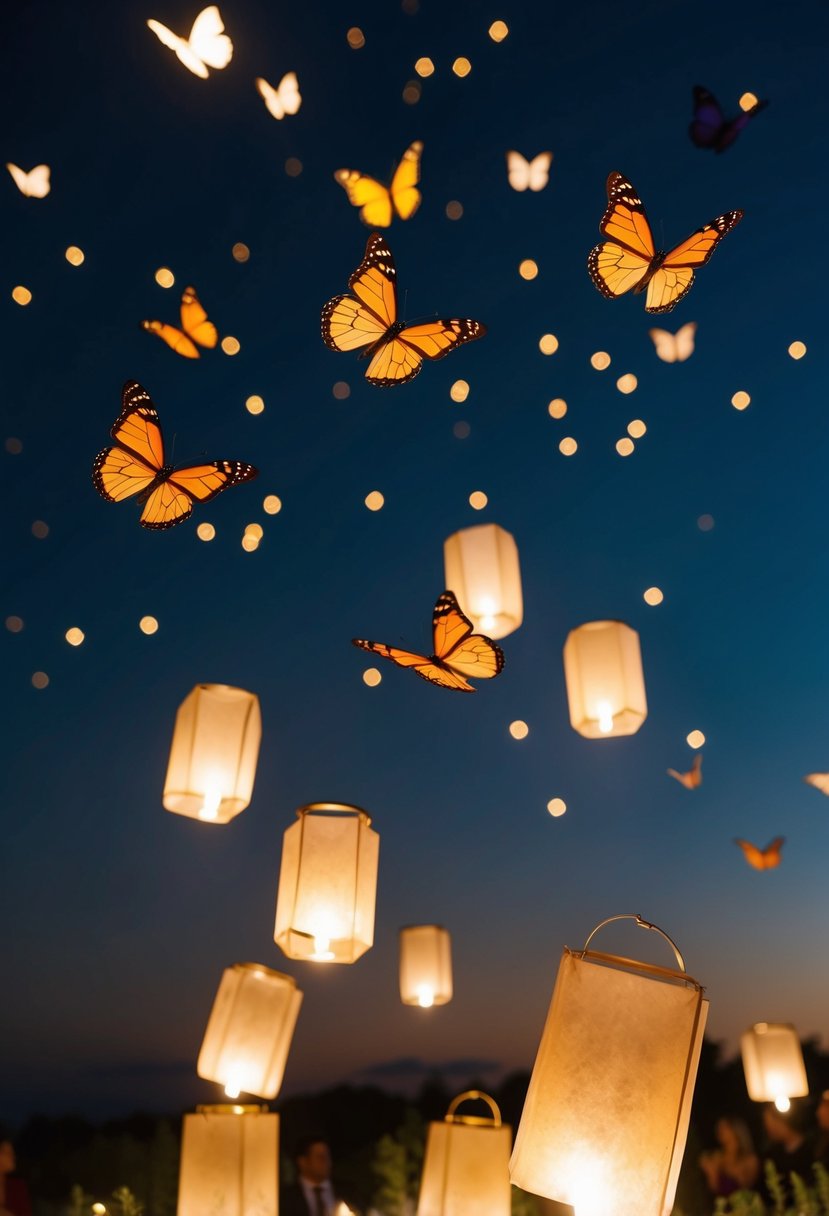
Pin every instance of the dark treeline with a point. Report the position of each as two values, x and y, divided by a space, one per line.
366 1127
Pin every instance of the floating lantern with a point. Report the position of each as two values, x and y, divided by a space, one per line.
425 965
466 1167
229 1162
773 1063
606 1116
482 569
327 884
249 1031
213 757
605 684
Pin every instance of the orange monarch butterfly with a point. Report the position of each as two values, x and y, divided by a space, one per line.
195 327
762 859
137 466
459 653
692 780
378 203
630 259
369 319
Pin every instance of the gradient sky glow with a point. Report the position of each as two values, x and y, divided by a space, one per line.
119 917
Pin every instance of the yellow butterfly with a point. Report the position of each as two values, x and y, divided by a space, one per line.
630 259
207 46
368 319
35 183
282 100
674 348
195 327
378 203
762 859
693 778
528 174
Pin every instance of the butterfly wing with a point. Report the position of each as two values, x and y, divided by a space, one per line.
204 481
371 196
672 281
175 339
394 362
271 97
165 507
194 320
34 184
617 265
752 854
539 170
762 859
820 781
405 195
708 120
119 472
674 348
349 322
518 171
282 100
425 667
181 47
434 339
465 653
208 41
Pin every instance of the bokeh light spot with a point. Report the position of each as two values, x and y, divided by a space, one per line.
454 209
293 166
627 383
74 256
695 739
231 346
568 446
459 390
461 66
240 252
164 277
14 446
498 31
748 101
461 430
255 530
624 446
519 729
653 596
205 531
250 543
148 625
341 390
600 360
74 636
22 296
478 500
797 350
374 501
412 92
272 504
356 38
528 269
557 407
548 344
14 624
255 404
556 807
424 66
40 679
372 677
741 400
40 529
636 428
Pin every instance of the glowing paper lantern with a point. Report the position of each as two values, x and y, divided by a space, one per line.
482 569
425 965
466 1167
213 757
606 1116
327 884
773 1063
605 684
249 1031
229 1162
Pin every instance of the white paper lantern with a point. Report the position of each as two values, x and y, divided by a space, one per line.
229 1162
466 1165
605 683
606 1116
773 1063
249 1032
482 568
327 884
425 965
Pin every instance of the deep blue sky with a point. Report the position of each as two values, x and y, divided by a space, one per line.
119 917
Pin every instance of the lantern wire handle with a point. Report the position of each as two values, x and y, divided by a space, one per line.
643 924
472 1095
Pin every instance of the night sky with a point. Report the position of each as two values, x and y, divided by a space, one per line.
119 917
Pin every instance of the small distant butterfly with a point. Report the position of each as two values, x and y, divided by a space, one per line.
674 348
282 100
137 466
35 183
528 174
195 328
207 47
368 319
379 203
630 259
709 127
762 859
692 780
819 780
460 654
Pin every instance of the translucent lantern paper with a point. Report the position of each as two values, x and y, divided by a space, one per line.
229 1162
773 1062
213 757
327 884
249 1032
466 1167
605 684
425 965
482 569
606 1116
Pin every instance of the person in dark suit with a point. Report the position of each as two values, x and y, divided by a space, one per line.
313 1193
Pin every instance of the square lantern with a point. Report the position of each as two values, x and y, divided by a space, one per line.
249 1031
229 1162
466 1166
605 683
606 1116
327 884
214 752
425 965
773 1063
482 568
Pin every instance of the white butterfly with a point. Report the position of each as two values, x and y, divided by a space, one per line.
207 43
529 174
674 348
819 780
35 183
282 100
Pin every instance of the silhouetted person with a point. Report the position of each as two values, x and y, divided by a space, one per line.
734 1166
14 1194
789 1150
313 1193
822 1138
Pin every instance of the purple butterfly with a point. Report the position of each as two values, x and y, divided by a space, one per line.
709 128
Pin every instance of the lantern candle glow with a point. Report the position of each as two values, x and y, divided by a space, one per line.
229 1162
214 752
466 1166
425 965
605 683
773 1063
482 568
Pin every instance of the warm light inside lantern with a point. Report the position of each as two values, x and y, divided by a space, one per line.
782 1104
604 713
466 1164
425 966
481 566
425 996
229 1162
605 683
773 1063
